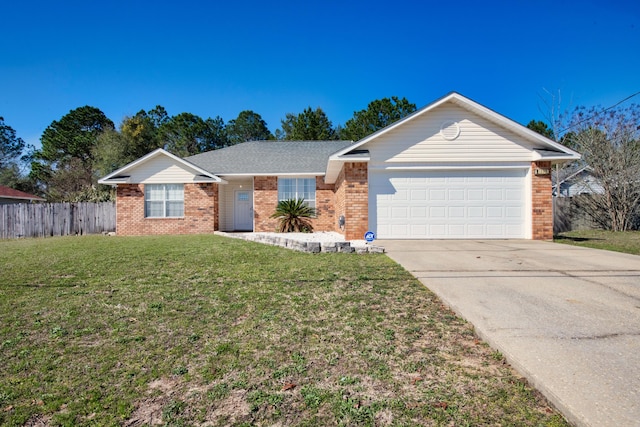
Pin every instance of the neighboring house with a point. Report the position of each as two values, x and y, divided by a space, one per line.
453 169
11 196
575 181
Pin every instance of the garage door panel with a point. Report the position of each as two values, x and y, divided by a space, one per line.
475 194
456 194
475 212
514 230
513 194
419 230
418 212
456 230
495 194
399 230
513 212
400 212
437 194
437 212
449 204
384 213
456 211
495 212
401 195
418 194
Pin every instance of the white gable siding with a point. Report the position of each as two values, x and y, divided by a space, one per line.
419 141
161 170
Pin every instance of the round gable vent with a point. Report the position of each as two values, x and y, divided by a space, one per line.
450 130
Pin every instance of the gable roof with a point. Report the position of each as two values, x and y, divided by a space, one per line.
547 149
121 176
10 193
270 158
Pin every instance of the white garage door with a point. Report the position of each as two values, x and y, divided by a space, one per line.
448 204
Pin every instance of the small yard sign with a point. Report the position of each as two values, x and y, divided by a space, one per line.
369 236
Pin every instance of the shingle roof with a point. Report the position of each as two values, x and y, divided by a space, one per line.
269 157
10 193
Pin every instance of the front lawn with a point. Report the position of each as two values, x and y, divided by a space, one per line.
620 241
204 330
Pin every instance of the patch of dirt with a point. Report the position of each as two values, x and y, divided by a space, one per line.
149 411
232 409
165 385
38 420
384 418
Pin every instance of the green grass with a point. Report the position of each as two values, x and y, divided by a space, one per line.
189 330
618 241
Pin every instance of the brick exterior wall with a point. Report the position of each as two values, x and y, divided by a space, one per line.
352 199
200 212
541 203
326 219
265 200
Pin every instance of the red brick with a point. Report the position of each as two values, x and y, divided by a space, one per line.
200 211
541 203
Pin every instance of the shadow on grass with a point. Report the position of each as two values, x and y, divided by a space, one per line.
576 239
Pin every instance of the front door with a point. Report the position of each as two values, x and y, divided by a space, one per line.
243 211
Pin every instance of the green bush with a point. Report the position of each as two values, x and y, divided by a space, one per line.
293 216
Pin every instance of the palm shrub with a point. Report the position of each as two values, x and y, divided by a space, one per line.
293 216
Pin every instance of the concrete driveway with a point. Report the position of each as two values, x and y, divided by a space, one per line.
567 318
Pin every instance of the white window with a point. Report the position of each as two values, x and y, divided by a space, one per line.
298 188
163 200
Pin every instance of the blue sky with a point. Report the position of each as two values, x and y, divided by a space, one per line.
215 59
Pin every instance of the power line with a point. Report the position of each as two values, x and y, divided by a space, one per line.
606 109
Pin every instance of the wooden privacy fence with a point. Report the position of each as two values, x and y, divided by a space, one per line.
568 215
56 219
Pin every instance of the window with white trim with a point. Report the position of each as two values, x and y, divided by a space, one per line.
163 200
298 188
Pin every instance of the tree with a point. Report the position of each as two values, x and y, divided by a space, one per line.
11 146
64 165
310 125
111 152
541 127
139 135
74 135
248 126
378 114
187 134
609 141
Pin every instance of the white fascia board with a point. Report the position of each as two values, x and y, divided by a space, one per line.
559 158
113 181
109 179
251 175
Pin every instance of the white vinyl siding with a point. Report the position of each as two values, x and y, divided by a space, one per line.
419 141
449 204
298 188
162 170
163 200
